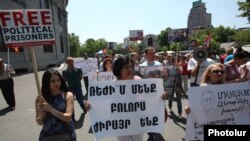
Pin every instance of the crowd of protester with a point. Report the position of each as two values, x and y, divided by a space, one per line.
215 69
55 107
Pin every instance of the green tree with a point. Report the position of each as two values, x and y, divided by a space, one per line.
74 45
245 8
201 35
242 37
91 46
163 37
222 34
176 46
101 43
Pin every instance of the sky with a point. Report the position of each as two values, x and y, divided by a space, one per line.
112 19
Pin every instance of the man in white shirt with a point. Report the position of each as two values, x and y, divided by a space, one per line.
197 69
150 62
150 58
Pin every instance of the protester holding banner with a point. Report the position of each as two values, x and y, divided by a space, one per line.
123 70
7 84
150 61
73 77
216 104
177 88
233 73
214 74
54 108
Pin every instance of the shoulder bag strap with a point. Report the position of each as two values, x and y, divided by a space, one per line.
196 75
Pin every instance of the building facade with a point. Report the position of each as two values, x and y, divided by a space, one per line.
198 17
49 55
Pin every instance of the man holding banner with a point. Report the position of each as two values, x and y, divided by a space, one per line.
150 62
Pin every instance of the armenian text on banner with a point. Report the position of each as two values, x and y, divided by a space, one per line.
224 104
87 65
100 76
126 107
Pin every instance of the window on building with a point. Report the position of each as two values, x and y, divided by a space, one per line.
48 48
61 43
46 4
59 12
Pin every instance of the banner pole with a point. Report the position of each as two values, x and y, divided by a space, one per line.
33 58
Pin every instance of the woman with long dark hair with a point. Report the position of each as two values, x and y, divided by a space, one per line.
55 106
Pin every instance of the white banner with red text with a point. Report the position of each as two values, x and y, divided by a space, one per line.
27 27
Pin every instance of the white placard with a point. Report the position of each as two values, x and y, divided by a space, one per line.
87 65
27 27
225 104
126 107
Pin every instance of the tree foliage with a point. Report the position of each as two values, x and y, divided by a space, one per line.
91 46
219 35
242 37
223 34
74 45
163 37
245 8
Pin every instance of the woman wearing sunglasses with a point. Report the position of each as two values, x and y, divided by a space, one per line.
214 74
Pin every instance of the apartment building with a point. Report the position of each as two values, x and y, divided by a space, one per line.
198 17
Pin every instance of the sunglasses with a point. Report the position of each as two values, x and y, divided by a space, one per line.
217 71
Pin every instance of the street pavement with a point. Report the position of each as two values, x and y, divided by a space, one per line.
20 124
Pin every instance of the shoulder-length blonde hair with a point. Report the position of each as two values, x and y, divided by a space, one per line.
205 78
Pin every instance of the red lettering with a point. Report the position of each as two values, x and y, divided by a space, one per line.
45 16
18 18
4 18
32 17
